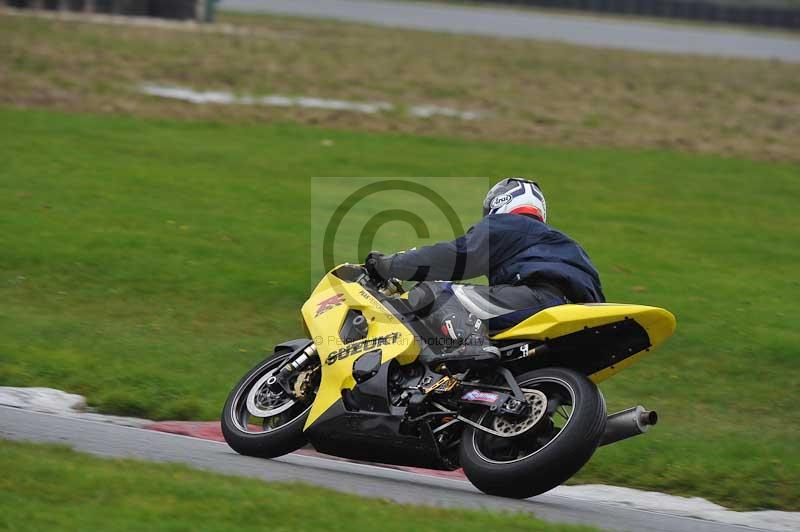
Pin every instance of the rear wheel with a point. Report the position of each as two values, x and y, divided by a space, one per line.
543 450
256 421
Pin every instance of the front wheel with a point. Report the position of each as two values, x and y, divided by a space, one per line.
543 450
257 421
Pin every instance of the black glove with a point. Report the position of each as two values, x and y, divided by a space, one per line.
371 264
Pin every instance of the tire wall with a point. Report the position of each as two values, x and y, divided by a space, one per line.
172 9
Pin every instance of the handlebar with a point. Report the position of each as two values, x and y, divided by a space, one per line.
389 287
395 283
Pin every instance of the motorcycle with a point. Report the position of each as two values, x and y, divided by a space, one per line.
366 384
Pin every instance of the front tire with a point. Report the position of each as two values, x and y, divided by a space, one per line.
551 452
278 434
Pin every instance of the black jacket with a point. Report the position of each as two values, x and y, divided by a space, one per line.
508 249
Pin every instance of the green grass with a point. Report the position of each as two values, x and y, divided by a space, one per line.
149 263
54 488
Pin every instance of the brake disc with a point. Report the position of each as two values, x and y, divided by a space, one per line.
514 426
262 402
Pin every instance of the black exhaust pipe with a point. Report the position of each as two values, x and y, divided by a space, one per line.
628 423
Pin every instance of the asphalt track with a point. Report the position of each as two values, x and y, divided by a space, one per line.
605 32
109 440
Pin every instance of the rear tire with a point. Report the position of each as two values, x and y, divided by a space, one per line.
264 444
558 459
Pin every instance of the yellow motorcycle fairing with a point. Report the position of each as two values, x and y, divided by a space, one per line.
583 328
557 322
324 314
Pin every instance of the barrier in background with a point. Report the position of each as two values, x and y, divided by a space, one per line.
200 10
707 11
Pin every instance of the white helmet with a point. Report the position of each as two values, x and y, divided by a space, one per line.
516 195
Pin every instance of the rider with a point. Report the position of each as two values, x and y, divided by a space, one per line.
530 266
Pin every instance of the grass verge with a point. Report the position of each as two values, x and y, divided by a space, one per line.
527 91
149 263
54 488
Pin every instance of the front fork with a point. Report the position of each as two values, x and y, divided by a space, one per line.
297 361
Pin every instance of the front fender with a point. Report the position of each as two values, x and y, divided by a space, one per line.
292 346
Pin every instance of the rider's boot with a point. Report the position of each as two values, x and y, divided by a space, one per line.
466 341
461 338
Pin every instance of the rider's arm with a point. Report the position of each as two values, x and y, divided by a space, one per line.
463 258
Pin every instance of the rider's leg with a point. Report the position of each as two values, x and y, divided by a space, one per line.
459 314
503 306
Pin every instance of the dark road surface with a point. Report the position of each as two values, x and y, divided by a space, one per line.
114 441
604 32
